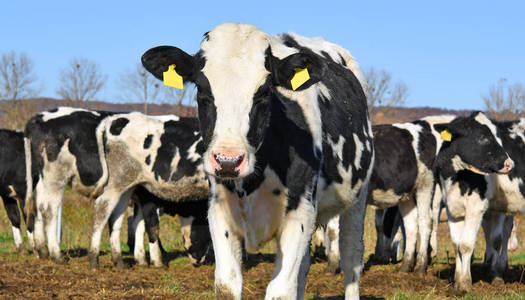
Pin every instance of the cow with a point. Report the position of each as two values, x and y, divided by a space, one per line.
403 176
390 231
13 181
193 219
279 157
163 154
473 150
61 149
78 147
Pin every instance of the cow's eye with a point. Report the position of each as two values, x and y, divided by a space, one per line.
483 141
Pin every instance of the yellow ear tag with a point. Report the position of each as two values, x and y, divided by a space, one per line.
172 78
446 135
301 76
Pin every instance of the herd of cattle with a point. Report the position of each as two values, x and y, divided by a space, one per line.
267 161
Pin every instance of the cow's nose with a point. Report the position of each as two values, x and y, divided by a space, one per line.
227 163
509 165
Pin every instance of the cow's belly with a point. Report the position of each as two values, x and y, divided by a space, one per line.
384 199
335 197
507 195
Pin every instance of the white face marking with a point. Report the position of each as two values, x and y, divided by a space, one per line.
482 119
63 111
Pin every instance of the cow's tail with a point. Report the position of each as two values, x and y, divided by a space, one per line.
29 199
101 145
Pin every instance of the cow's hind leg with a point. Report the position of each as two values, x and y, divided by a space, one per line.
115 224
104 205
152 224
49 199
293 258
11 207
351 225
332 245
136 229
409 213
424 222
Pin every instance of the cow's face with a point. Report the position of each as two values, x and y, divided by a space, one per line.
236 76
476 145
196 238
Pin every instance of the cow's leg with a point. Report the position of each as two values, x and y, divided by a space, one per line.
409 212
351 225
30 229
513 240
115 224
49 199
436 211
11 207
39 235
500 264
424 221
136 234
492 225
132 226
395 247
467 240
381 253
152 224
293 260
319 243
104 205
332 245
226 244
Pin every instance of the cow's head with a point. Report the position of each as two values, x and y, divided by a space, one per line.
473 144
196 238
236 75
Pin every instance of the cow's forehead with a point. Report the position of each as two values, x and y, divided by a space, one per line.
235 57
483 120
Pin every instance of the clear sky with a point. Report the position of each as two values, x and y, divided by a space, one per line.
447 52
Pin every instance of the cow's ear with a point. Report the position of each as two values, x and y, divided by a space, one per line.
157 61
292 65
449 131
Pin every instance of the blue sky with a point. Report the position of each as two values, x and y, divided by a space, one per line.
447 52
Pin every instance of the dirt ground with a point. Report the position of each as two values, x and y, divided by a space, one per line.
29 277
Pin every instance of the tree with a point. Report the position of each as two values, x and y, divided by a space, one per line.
17 82
81 81
381 92
140 85
505 100
180 98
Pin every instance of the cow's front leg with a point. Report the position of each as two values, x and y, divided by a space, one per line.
226 244
351 225
293 255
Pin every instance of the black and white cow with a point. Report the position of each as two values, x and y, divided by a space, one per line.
193 220
13 181
62 149
161 153
403 176
390 233
478 147
108 160
278 159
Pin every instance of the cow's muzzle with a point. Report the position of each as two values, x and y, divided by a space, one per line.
509 165
227 163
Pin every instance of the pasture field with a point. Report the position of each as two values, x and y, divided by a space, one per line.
27 277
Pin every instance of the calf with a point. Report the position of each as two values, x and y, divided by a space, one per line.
13 180
62 149
193 219
472 151
279 156
160 153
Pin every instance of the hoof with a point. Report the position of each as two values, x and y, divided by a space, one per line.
498 280
119 264
43 253
420 269
59 260
462 289
22 250
332 269
404 268
93 261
